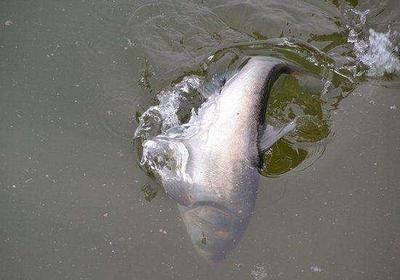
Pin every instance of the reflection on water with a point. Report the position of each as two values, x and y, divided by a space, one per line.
289 101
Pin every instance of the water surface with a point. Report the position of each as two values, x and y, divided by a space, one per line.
75 76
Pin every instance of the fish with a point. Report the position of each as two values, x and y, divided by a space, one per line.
216 157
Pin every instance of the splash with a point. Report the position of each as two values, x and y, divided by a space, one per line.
159 118
381 56
161 124
378 52
166 157
164 128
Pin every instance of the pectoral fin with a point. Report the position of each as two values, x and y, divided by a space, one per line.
272 134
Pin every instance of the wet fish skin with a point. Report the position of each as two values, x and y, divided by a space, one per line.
218 196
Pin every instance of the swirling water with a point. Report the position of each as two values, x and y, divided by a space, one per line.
78 78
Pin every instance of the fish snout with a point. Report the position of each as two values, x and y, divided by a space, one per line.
213 229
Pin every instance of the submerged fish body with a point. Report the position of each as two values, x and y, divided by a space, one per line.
217 154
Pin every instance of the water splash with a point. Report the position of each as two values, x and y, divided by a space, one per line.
166 157
376 50
159 118
163 128
381 56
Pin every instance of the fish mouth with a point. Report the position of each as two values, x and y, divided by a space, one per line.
209 214
209 203
213 228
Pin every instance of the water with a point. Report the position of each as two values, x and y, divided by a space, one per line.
377 52
75 78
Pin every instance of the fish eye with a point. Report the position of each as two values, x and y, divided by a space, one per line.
203 239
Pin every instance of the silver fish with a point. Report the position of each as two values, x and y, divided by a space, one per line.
218 157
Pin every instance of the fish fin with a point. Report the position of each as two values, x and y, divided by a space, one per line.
272 134
178 191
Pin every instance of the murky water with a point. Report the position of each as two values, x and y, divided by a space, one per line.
76 77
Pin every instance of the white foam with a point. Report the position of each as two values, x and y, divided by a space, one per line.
159 118
161 132
315 268
166 157
380 56
374 50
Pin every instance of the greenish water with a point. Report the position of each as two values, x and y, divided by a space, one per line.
75 77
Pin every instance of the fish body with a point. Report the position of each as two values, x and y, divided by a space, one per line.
218 155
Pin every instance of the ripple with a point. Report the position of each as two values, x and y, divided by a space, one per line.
116 115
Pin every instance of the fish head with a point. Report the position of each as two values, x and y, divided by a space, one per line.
214 230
